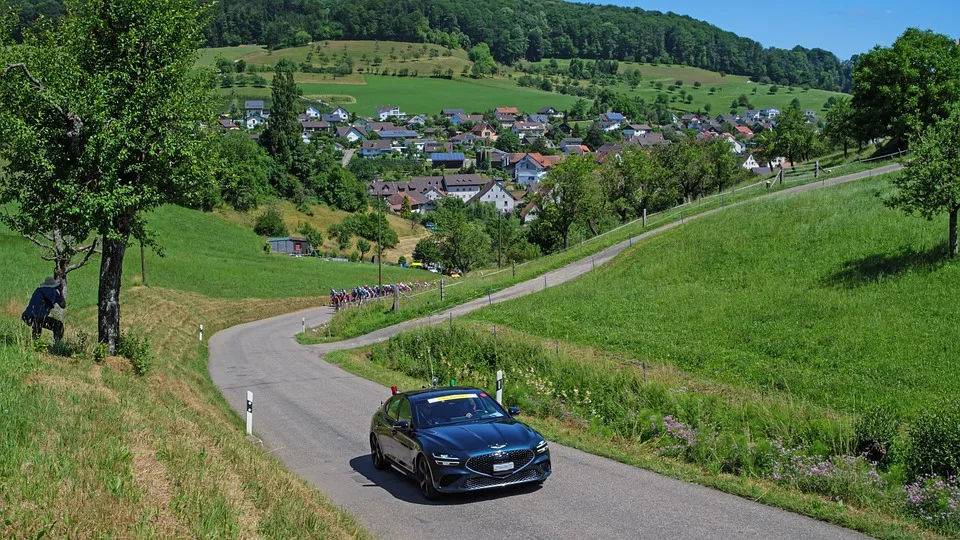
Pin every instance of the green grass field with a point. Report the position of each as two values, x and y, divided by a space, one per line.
204 254
416 95
727 88
829 296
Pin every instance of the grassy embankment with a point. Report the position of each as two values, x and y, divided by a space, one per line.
749 352
359 321
322 216
89 449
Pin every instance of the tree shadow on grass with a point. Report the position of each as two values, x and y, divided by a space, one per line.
876 268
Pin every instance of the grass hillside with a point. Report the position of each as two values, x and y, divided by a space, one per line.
322 217
726 88
364 93
393 54
203 254
828 296
88 448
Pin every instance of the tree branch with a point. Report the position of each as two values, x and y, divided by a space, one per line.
74 122
90 250
37 242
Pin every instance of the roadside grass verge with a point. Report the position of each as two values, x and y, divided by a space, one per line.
354 321
655 417
89 449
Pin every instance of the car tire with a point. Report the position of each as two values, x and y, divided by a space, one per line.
425 480
376 454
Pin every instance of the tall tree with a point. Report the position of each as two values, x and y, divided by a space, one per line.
840 127
791 137
571 195
899 90
462 244
283 135
40 153
930 182
130 109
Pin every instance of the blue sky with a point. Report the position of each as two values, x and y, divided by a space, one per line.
844 27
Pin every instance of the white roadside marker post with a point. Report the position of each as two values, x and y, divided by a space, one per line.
249 412
500 387
303 325
201 332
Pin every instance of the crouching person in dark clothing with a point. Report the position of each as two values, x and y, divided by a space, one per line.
37 315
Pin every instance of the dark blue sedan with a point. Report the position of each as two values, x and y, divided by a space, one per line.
456 439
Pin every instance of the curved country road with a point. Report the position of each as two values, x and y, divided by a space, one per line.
313 416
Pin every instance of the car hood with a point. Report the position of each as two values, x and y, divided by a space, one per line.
479 436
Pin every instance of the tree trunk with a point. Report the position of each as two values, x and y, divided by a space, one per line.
60 273
953 232
108 306
846 147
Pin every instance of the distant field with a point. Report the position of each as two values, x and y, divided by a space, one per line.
828 295
727 88
663 72
424 95
394 55
720 100
363 93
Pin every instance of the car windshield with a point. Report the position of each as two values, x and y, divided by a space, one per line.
456 409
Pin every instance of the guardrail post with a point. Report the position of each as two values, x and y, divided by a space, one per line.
249 412
201 332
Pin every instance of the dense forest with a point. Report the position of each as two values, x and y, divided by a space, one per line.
515 30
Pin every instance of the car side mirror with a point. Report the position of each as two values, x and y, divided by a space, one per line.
401 425
514 411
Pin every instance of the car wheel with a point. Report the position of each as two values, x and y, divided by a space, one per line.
376 454
425 479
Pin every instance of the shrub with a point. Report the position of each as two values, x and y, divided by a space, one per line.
354 256
875 433
402 260
136 349
270 223
934 442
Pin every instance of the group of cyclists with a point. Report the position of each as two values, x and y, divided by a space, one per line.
358 295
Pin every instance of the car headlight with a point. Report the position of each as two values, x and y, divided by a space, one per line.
446 460
542 446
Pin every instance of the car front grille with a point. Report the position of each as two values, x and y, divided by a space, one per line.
481 482
484 464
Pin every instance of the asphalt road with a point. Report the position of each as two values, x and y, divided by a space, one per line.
314 417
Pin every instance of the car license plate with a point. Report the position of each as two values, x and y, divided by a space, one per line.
500 467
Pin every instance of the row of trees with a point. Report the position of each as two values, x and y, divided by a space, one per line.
580 196
514 30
